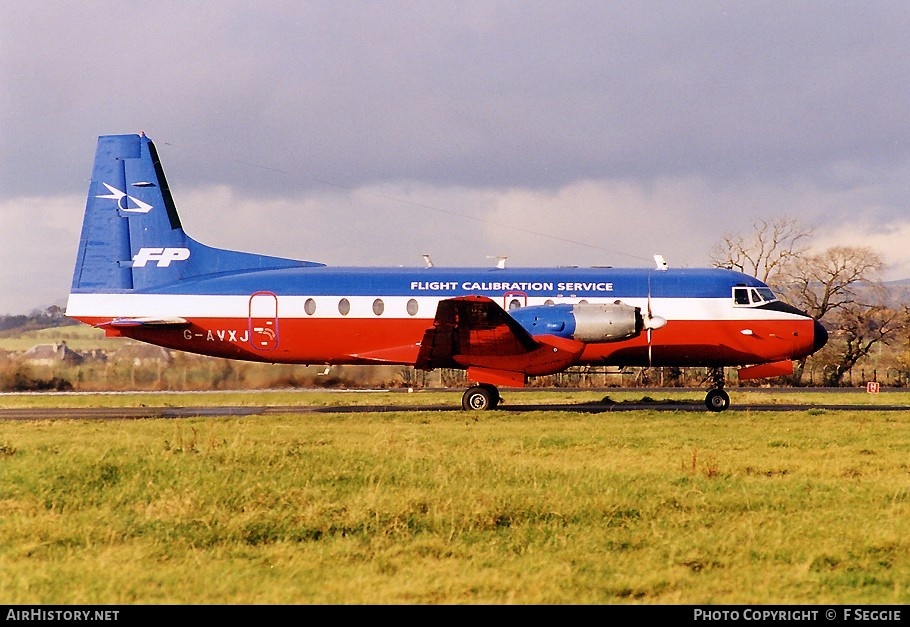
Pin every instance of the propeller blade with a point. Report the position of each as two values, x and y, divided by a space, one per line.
649 347
648 321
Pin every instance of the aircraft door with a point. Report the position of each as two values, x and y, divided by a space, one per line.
514 300
263 320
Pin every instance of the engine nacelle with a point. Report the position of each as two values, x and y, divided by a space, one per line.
585 322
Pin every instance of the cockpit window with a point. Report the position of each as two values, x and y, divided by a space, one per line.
744 296
740 296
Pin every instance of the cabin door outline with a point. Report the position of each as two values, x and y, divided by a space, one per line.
514 300
263 321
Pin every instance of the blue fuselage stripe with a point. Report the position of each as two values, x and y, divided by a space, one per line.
443 282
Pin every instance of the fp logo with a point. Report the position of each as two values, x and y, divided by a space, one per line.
164 256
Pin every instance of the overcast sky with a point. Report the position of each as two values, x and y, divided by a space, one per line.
369 133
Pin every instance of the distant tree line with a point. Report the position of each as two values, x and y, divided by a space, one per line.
52 316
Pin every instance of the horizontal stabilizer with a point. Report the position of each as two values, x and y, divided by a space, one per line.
393 355
145 322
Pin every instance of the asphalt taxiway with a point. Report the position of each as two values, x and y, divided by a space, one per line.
137 413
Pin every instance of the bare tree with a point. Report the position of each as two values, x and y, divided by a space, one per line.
829 280
859 329
903 356
765 252
841 286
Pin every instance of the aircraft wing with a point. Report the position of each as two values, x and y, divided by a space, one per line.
476 333
471 325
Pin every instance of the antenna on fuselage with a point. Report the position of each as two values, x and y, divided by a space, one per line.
428 261
661 262
502 260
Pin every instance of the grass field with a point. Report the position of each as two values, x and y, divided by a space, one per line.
421 507
77 337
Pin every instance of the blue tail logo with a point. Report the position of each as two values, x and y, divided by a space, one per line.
116 194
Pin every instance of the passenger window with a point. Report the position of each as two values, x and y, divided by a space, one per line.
412 307
378 306
514 304
344 306
309 306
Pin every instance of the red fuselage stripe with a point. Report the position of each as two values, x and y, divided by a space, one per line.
396 341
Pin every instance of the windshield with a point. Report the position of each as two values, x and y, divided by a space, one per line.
752 295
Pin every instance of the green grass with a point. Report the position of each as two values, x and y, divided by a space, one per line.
417 507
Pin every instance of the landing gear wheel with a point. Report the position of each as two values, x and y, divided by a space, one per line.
480 398
717 400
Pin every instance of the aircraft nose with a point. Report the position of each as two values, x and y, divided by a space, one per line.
821 336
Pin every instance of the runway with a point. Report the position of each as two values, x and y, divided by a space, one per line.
139 413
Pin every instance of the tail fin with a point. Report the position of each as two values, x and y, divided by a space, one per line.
131 234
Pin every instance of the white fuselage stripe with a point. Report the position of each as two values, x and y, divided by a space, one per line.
219 306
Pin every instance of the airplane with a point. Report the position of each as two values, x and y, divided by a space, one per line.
139 275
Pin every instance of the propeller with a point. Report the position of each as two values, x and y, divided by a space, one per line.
651 321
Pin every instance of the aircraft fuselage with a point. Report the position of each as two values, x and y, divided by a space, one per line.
368 315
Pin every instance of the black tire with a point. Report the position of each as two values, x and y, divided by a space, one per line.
495 398
479 398
717 400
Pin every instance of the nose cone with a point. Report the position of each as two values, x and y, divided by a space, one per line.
821 337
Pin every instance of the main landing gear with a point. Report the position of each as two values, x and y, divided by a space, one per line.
480 397
717 399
